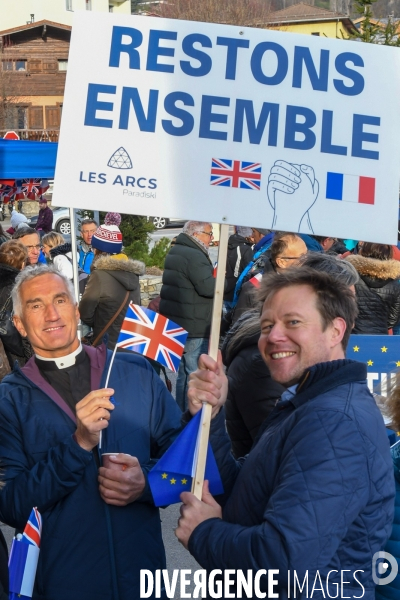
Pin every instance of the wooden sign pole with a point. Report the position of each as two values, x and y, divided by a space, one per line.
198 479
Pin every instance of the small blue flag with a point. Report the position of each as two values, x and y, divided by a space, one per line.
24 557
381 354
173 473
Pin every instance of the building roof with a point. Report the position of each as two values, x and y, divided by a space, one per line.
306 13
33 25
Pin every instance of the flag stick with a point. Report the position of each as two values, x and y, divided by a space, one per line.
106 385
197 483
73 252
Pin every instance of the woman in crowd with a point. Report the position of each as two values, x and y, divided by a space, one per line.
113 283
391 410
378 290
13 257
58 252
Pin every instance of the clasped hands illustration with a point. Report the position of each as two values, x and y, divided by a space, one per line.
292 191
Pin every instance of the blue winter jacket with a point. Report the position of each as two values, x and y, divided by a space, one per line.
316 492
391 591
85 259
89 550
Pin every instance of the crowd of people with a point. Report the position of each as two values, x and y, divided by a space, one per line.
309 478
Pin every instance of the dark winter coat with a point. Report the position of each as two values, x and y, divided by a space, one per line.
391 591
315 493
188 287
252 393
45 220
105 291
378 294
7 279
3 568
240 253
88 548
248 294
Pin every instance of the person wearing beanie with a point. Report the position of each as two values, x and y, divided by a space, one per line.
45 220
240 253
113 275
18 220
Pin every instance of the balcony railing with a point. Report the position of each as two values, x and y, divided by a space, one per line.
35 135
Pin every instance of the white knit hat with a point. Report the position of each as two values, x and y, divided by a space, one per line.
17 218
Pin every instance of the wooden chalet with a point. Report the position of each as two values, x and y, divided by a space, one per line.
34 61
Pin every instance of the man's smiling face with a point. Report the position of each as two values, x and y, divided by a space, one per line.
49 316
292 335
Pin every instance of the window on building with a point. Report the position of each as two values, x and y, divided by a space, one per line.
111 8
68 4
88 4
62 64
22 117
20 65
7 65
315 33
16 117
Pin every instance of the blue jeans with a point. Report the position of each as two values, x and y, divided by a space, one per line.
193 348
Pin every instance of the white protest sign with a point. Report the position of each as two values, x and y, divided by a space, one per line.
231 124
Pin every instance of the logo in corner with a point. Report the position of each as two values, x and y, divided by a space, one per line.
120 160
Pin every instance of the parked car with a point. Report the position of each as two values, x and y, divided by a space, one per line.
162 222
61 221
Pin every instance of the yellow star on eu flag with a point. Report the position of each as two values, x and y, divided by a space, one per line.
184 481
173 481
384 349
164 476
397 363
370 363
356 348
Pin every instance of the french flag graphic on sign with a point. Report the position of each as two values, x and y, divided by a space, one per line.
350 188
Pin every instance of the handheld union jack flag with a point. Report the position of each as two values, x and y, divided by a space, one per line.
30 187
235 173
24 557
149 333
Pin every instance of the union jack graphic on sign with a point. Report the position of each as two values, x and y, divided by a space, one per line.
149 333
235 173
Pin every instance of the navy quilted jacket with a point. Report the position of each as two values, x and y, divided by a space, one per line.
89 550
316 492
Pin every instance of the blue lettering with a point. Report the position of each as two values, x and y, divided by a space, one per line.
93 104
171 108
207 117
118 180
360 136
282 66
130 181
326 135
292 127
117 47
355 76
81 177
92 177
232 45
139 180
102 178
152 184
302 56
203 58
269 110
154 50
145 123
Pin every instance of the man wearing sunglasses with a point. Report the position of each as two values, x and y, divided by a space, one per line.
187 295
30 239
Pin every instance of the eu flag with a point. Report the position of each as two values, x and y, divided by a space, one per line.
381 354
173 473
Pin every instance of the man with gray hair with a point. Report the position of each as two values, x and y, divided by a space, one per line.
187 296
52 412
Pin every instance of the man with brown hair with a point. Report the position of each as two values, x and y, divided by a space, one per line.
315 495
